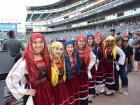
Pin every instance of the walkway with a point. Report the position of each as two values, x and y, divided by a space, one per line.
119 99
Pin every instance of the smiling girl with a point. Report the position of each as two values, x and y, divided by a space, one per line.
35 64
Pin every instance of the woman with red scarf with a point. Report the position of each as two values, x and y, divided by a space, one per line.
98 51
35 64
88 59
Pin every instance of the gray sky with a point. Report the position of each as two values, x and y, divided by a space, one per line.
16 9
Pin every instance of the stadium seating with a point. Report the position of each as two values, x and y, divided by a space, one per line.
81 16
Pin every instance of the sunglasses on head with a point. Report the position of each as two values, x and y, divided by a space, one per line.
110 41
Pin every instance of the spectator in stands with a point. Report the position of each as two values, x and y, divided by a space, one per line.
112 32
13 45
137 50
118 34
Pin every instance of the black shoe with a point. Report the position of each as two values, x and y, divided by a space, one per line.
97 94
89 100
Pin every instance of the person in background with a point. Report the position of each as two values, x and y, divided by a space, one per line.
13 45
137 51
0 45
112 32
128 50
35 66
118 34
122 72
131 43
130 40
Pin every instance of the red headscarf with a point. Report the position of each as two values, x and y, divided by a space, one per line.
98 35
29 57
79 37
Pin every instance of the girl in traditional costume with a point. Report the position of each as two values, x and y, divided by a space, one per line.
88 59
92 82
35 64
58 74
72 61
111 63
98 51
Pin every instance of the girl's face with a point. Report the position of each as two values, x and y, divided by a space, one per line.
70 49
81 43
90 41
98 40
125 42
58 51
110 43
119 43
38 45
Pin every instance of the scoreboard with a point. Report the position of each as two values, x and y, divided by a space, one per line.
8 26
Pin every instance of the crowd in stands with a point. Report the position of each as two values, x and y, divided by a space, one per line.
125 26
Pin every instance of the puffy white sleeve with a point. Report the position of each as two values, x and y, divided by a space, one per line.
120 52
93 60
14 77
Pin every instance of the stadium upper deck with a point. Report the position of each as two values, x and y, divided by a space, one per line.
83 14
46 13
59 4
52 15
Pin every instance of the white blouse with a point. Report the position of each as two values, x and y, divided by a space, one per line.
14 77
120 52
93 60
